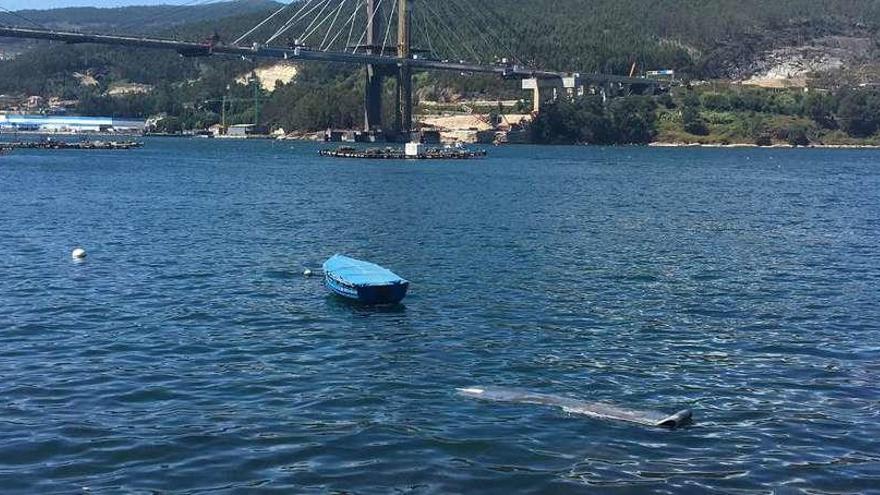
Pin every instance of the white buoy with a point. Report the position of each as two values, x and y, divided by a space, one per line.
307 273
78 253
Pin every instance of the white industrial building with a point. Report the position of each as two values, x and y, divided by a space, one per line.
58 124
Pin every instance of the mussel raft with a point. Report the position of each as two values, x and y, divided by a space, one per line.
50 144
398 154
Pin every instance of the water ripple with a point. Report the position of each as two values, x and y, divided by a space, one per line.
188 355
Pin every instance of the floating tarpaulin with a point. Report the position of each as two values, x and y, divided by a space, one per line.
359 273
574 406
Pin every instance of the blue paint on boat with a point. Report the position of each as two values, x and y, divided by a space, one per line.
362 281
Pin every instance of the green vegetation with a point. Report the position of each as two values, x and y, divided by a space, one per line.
135 19
724 114
588 119
706 38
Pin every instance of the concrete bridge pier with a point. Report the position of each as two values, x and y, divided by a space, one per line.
543 91
404 110
375 86
546 90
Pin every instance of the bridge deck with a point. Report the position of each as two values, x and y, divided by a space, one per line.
305 54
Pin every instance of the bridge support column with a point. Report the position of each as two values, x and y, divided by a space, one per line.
543 91
404 73
375 82
405 99
536 99
375 86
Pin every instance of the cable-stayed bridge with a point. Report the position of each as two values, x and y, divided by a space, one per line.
377 34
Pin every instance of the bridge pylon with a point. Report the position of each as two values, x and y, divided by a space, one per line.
375 79
404 75
375 83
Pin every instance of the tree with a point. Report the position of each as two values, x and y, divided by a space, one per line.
690 115
857 113
632 119
629 120
820 108
797 136
169 125
716 101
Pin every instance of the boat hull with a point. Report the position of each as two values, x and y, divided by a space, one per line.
373 295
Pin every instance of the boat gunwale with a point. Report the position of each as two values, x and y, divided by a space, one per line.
340 280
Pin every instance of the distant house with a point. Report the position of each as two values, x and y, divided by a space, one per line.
64 124
245 130
217 130
35 102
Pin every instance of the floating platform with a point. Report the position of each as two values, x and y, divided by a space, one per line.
363 282
400 154
81 145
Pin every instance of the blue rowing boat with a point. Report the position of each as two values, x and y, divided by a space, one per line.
363 282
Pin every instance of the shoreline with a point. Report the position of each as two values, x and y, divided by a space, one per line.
307 137
750 145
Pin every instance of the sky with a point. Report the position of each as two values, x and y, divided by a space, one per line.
55 4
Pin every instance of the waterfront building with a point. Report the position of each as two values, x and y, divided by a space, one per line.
67 124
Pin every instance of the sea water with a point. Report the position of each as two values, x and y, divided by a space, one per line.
187 354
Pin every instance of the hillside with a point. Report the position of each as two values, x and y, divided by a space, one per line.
735 39
137 19
132 20
787 42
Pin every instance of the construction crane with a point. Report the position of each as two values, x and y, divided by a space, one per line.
256 99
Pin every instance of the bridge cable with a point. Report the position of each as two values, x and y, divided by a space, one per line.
353 18
428 40
25 18
261 24
290 21
303 37
453 33
506 40
459 34
494 40
388 28
443 35
441 38
367 26
296 17
309 31
470 23
332 24
351 22
432 26
493 34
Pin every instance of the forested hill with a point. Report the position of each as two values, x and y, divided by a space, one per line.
136 19
708 38
705 39
167 19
